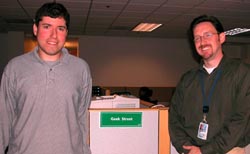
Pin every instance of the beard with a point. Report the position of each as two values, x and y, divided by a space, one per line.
205 51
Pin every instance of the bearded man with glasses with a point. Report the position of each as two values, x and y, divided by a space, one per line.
210 109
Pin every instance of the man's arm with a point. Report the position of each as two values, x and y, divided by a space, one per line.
83 113
176 130
5 113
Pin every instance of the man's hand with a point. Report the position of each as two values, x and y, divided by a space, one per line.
192 149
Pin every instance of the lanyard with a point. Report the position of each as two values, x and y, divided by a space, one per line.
207 100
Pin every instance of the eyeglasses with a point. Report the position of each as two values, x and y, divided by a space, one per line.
206 36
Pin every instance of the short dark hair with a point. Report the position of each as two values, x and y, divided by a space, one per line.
205 18
53 10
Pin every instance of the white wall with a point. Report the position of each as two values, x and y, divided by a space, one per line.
153 62
135 62
130 62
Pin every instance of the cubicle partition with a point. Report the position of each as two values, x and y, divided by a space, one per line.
129 131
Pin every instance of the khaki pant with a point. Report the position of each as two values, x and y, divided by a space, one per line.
237 150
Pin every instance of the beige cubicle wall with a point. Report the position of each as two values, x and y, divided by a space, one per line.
147 135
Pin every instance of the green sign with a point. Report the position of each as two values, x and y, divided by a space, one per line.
121 119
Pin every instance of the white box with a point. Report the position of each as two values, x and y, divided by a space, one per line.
115 101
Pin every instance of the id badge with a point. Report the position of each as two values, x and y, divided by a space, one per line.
202 131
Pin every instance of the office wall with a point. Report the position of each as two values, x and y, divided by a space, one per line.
3 52
130 62
135 62
12 44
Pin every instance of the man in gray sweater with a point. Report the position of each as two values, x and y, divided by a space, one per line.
45 94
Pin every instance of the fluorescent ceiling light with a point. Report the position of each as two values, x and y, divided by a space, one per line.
146 27
236 31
